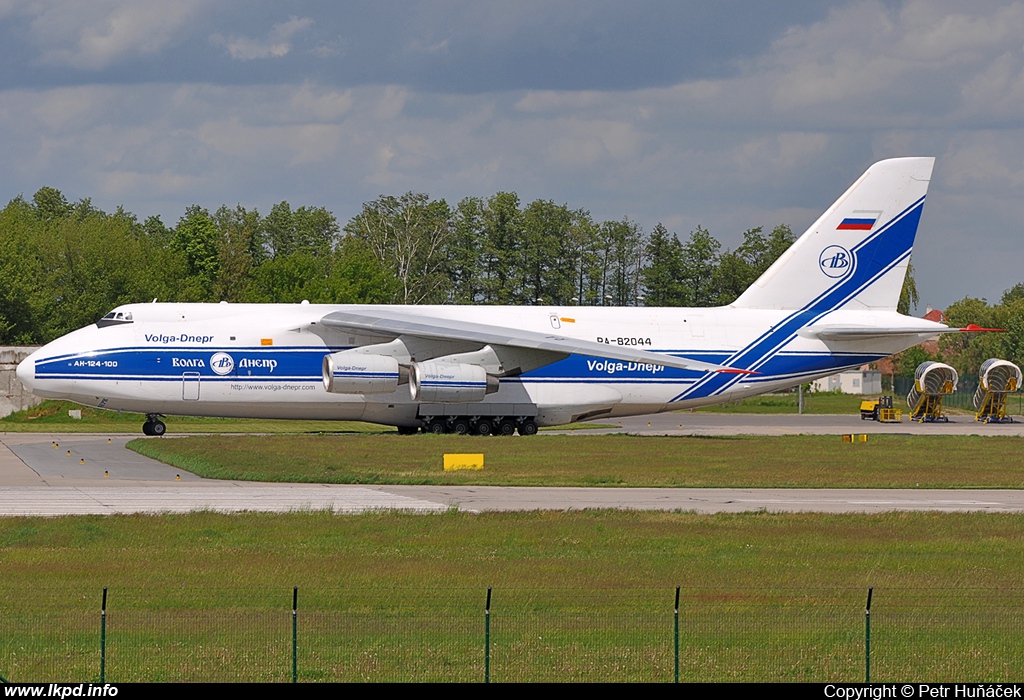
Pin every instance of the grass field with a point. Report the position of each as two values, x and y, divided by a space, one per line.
577 596
580 596
814 403
52 416
800 461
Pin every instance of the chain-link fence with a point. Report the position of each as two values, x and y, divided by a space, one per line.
531 635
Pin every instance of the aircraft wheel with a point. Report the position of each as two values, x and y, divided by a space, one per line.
527 427
460 426
438 426
484 427
407 430
506 427
147 428
158 428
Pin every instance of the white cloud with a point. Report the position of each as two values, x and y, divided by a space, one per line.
779 154
120 184
276 44
437 47
311 102
328 49
774 142
876 63
96 34
583 143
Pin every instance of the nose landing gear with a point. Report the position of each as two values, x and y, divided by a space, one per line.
153 425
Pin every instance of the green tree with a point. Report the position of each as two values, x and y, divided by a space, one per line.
466 250
966 351
700 268
622 261
289 279
51 204
348 275
1013 294
312 229
740 268
197 239
21 297
92 264
581 257
502 247
908 292
410 236
906 363
544 272
239 250
662 277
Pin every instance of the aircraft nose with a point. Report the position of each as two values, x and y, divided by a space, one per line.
26 371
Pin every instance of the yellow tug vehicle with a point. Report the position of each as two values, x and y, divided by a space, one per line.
881 410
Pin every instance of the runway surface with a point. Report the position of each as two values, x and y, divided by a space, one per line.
44 474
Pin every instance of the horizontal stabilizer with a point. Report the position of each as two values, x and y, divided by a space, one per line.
395 322
869 332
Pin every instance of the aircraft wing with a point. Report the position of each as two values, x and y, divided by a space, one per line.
397 323
871 332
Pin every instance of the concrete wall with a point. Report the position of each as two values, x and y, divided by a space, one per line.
13 394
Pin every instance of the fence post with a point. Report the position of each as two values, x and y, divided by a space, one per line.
103 637
867 637
295 634
677 634
487 638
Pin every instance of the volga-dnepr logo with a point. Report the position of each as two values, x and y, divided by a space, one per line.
835 261
222 363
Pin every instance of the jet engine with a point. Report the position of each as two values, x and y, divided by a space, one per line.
450 382
349 372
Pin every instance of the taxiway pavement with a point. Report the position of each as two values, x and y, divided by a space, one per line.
71 474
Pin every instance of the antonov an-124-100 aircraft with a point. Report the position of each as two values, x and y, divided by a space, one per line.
827 304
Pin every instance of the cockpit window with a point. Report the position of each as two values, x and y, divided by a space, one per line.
115 318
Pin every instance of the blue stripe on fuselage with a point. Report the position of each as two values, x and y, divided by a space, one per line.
170 363
157 364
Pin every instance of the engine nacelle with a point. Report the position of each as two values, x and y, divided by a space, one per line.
450 382
349 372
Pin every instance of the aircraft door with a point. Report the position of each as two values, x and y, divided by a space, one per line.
190 386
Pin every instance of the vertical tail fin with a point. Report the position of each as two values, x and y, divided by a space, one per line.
856 254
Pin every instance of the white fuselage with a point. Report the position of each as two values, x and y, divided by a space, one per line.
265 360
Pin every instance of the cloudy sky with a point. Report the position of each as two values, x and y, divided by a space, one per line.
727 114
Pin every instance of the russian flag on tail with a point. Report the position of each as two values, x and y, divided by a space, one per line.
856 223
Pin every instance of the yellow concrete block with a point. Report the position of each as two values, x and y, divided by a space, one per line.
454 462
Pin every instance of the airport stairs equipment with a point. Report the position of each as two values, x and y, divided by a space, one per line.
932 382
996 379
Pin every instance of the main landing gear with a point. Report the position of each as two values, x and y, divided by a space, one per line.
466 425
153 425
